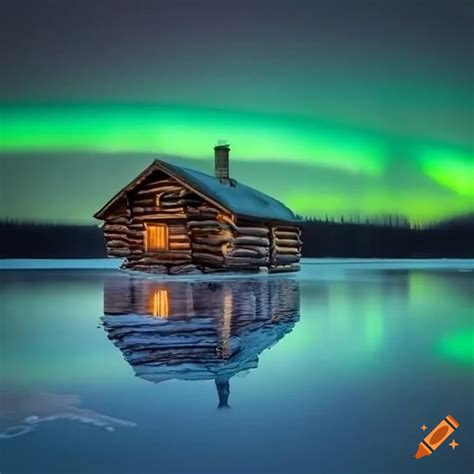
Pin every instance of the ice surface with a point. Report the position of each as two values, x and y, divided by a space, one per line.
60 264
311 268
380 347
21 411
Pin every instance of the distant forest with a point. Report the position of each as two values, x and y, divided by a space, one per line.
385 238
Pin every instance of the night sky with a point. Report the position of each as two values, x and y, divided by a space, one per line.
346 108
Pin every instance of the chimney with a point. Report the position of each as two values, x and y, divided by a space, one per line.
221 162
223 391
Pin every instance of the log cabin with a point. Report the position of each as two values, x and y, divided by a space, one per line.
176 220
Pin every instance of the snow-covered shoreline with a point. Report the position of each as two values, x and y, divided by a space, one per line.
349 263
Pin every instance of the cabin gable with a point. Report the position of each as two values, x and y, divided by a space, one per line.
166 227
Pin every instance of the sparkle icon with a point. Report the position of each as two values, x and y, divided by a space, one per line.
453 444
424 427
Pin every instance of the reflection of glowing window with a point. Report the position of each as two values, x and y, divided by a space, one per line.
160 304
156 237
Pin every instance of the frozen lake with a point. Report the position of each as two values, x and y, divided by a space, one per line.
332 370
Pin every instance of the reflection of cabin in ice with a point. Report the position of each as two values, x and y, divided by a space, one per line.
197 330
174 220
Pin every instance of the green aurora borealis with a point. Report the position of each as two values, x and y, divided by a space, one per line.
380 162
333 109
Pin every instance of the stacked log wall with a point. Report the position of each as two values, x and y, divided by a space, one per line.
285 248
250 249
196 238
210 235
162 201
115 228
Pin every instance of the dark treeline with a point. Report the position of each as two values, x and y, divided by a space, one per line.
330 239
34 240
392 238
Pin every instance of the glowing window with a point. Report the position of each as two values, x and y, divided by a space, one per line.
156 237
160 304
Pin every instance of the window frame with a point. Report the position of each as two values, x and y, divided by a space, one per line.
167 236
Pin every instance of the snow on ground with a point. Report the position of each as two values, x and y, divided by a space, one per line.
309 265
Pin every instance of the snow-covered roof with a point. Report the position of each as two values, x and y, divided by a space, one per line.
235 197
